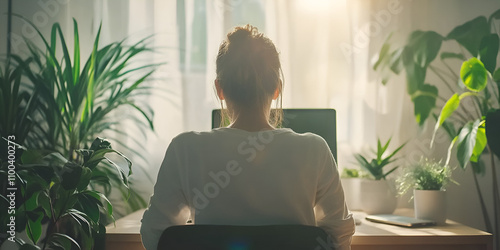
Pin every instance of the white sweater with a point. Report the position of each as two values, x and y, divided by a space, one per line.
235 177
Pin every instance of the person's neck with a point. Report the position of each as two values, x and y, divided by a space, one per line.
251 121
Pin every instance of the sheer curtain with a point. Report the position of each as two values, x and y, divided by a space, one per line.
323 67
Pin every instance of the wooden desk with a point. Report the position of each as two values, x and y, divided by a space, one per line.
369 235
376 236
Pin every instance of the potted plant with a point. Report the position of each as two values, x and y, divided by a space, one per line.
351 182
53 204
427 179
475 85
51 107
73 98
378 196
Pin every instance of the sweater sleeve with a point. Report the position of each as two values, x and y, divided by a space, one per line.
168 205
331 210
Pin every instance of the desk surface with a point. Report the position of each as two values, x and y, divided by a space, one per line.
369 235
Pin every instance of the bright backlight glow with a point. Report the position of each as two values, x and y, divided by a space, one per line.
319 5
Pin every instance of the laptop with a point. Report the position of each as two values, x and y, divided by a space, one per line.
318 121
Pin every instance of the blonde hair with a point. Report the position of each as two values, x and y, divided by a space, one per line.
249 72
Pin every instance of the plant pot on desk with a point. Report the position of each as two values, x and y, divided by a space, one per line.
352 192
377 197
430 205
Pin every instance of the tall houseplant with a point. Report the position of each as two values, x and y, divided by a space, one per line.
78 101
54 106
475 85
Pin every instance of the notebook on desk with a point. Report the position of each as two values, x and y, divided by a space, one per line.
399 220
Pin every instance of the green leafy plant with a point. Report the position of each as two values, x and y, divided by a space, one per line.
376 165
424 175
350 173
471 113
18 105
54 105
53 191
80 101
62 103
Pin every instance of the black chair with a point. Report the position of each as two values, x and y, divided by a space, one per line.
222 237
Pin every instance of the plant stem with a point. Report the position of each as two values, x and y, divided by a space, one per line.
496 196
9 29
477 107
486 217
451 70
464 119
444 72
442 78
469 116
496 92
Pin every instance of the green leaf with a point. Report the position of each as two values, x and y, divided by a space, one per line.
466 142
76 57
99 196
424 102
71 176
395 61
480 144
448 155
415 74
29 247
425 46
478 167
381 56
90 206
446 55
35 228
65 240
470 34
492 126
488 51
449 107
449 127
31 156
495 15
496 75
474 75
84 181
44 202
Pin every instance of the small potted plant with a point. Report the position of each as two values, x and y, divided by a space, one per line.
377 195
428 180
350 178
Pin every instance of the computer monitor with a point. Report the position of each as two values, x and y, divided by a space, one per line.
318 121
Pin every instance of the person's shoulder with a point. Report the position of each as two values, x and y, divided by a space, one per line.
190 136
306 137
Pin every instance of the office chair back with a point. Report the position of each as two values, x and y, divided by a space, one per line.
222 237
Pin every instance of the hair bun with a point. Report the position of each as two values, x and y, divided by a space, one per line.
242 34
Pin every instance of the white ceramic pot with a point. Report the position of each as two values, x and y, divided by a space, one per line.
430 205
352 192
378 197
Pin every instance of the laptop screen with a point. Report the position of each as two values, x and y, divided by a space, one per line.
318 121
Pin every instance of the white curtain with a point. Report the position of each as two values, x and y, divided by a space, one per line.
313 37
